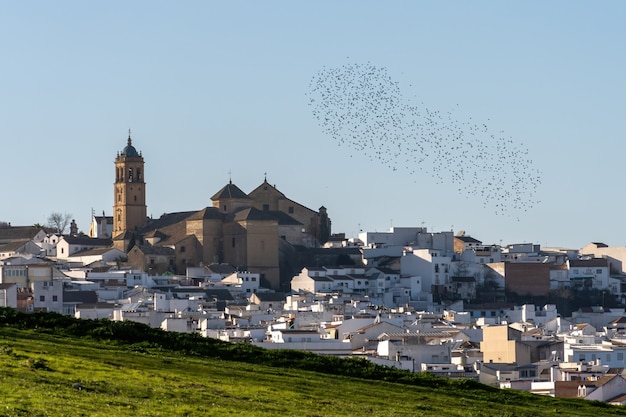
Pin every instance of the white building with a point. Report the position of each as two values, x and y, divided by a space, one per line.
433 266
589 273
8 295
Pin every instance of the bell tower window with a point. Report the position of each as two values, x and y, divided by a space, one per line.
130 175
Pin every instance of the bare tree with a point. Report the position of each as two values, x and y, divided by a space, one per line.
4 225
59 221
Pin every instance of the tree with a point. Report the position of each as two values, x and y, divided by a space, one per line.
59 221
4 225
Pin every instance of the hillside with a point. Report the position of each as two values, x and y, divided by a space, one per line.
48 370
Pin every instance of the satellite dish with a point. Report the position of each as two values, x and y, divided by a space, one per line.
460 233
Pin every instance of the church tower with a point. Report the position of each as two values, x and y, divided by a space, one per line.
129 209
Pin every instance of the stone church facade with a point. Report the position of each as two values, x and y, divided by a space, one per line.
252 232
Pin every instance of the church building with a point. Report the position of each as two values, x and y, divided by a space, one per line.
254 232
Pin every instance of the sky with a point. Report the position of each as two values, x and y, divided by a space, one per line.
219 91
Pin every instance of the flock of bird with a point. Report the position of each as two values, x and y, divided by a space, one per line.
362 107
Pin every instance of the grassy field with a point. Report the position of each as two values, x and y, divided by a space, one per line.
43 374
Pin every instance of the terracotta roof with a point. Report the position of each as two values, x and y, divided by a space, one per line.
387 271
340 277
86 240
595 262
230 190
92 252
167 219
467 239
268 185
18 233
620 399
619 320
207 213
156 250
89 297
321 279
218 294
600 244
13 246
155 233
284 218
251 213
270 296
221 268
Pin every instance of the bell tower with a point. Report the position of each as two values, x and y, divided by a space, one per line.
129 208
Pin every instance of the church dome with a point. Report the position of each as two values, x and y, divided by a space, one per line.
130 151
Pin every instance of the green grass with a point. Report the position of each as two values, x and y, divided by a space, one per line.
39 370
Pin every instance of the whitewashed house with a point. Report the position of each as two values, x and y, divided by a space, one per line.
8 295
312 280
589 273
245 282
69 245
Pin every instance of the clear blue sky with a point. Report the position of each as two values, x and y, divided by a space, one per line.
210 88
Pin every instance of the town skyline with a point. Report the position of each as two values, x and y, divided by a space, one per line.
215 92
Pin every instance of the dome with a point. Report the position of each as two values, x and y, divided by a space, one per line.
129 150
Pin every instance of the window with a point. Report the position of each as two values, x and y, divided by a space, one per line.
55 298
620 356
233 242
253 279
290 209
42 298
598 271
266 207
182 249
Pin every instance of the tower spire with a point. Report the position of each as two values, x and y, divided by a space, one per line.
130 142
